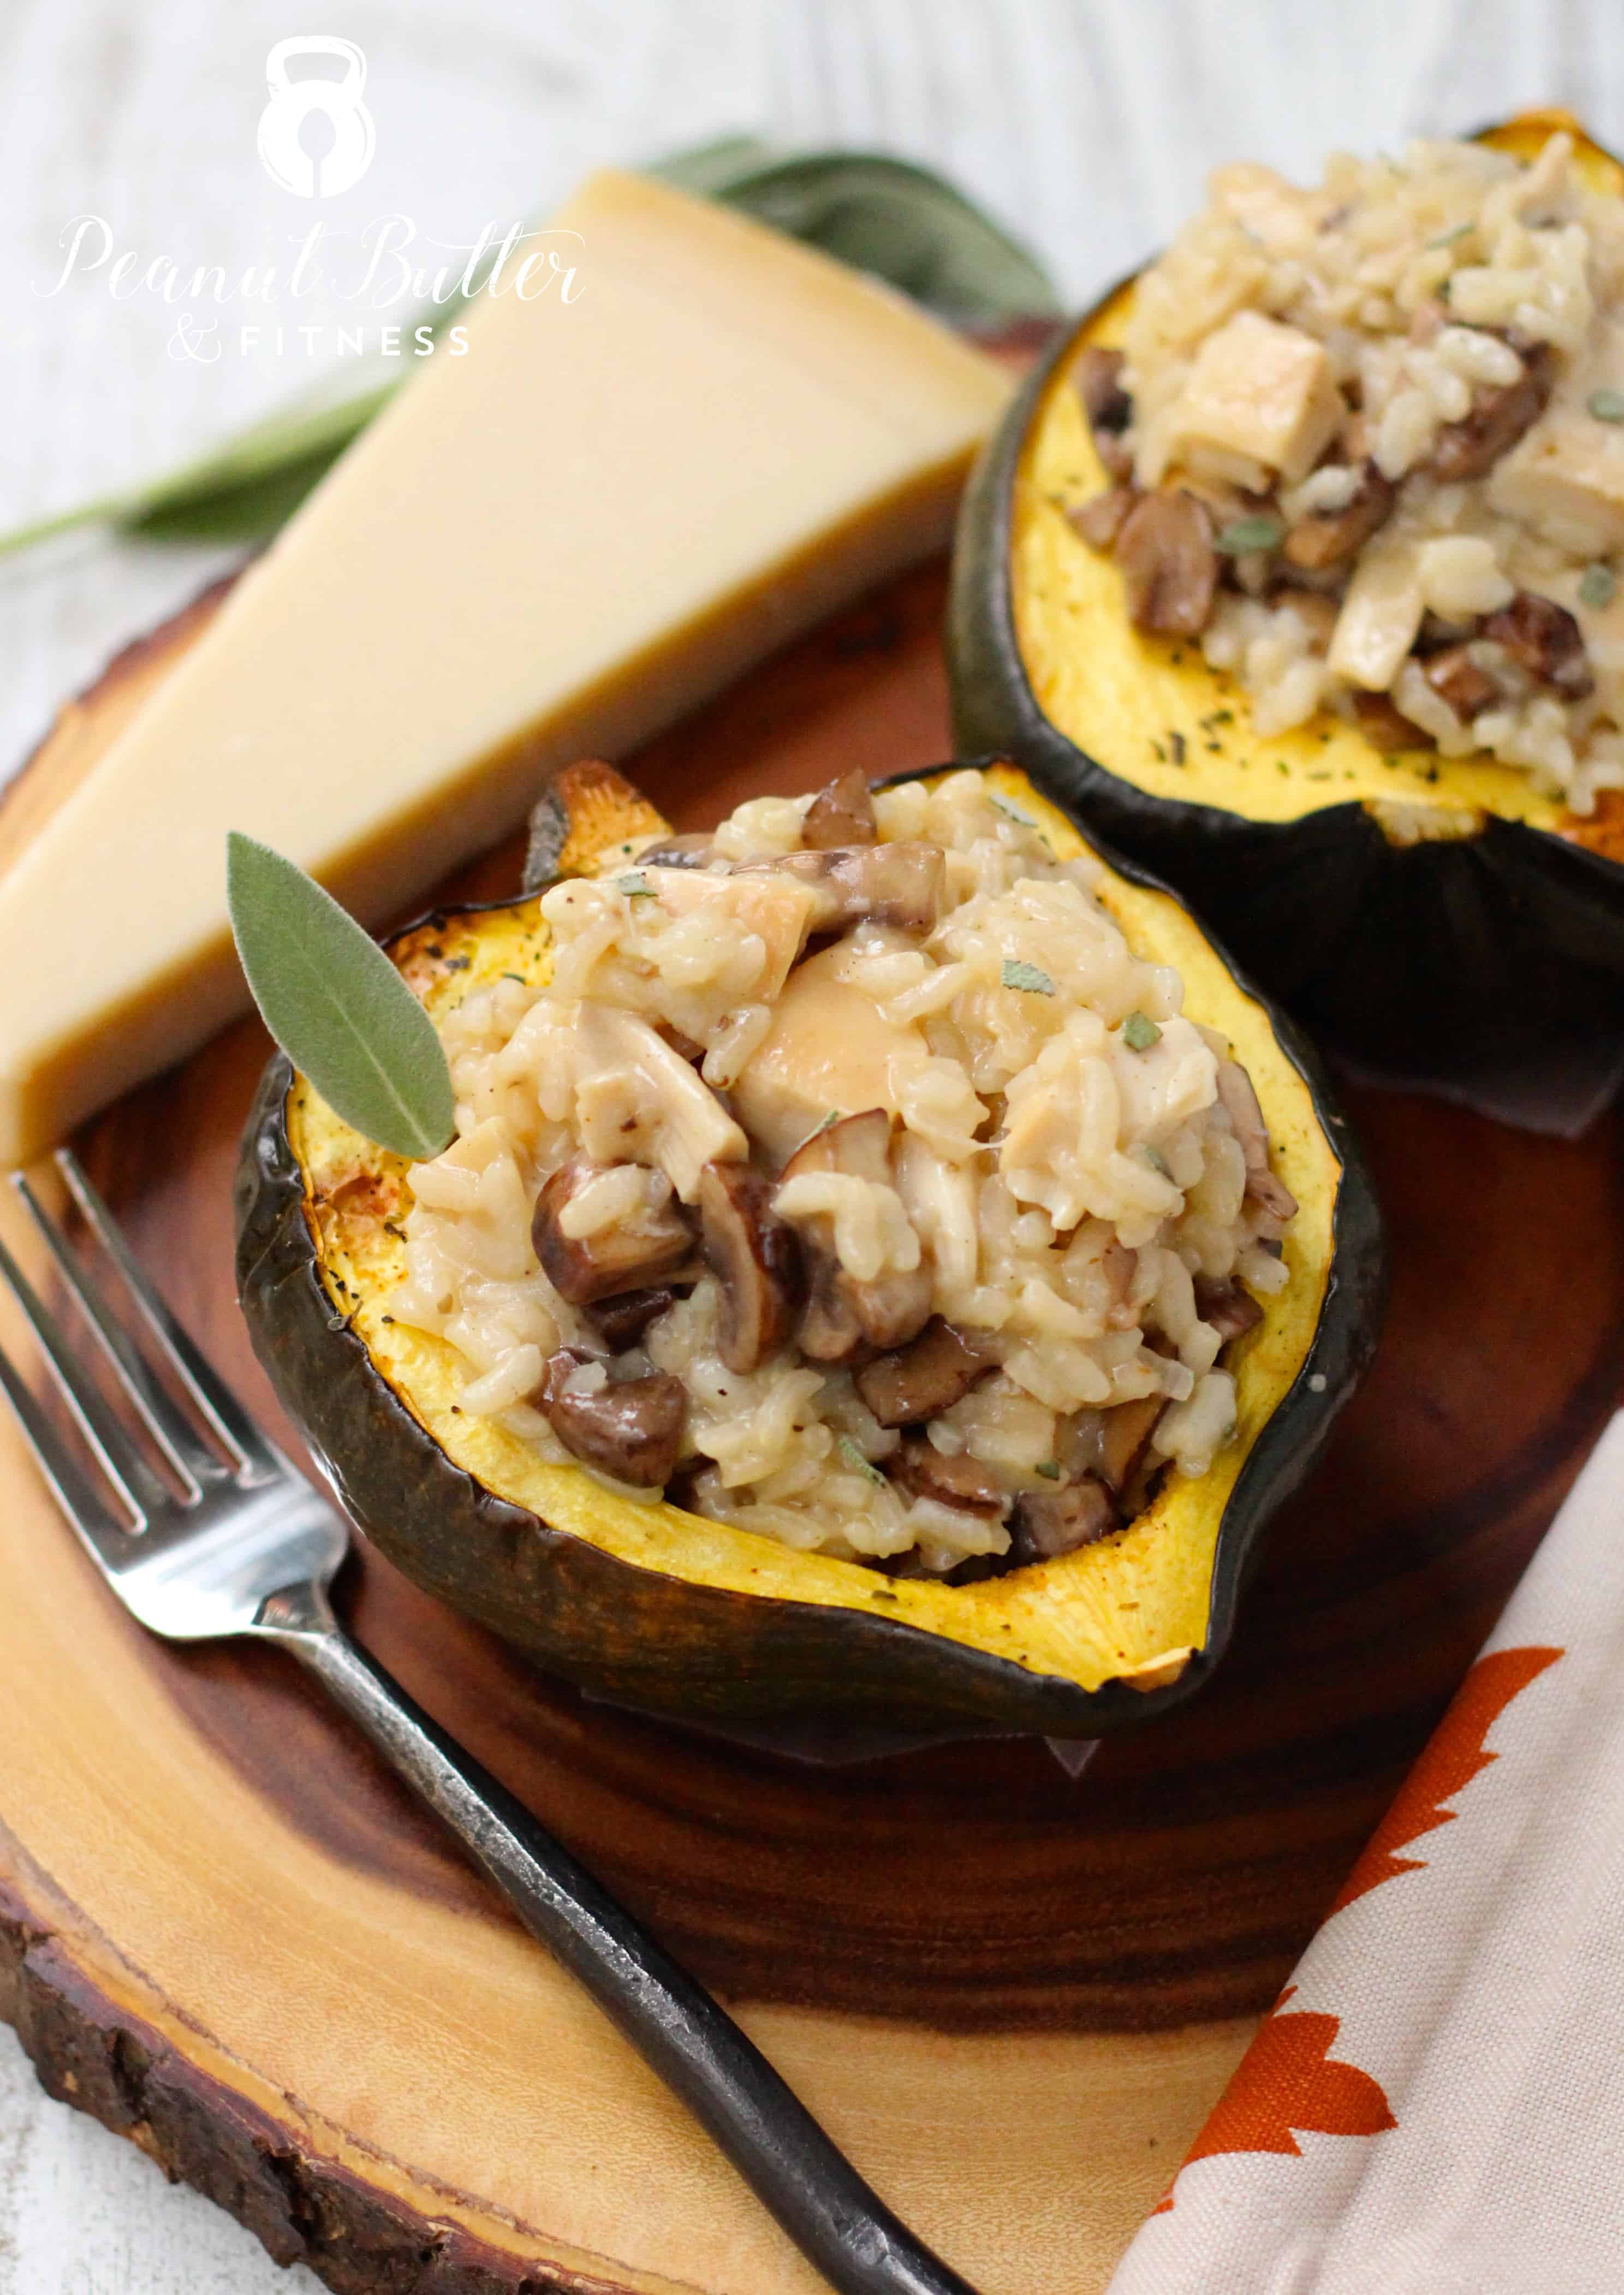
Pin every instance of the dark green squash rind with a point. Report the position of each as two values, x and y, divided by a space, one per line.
707 1653
1435 959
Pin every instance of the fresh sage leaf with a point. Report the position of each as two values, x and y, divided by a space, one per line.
1140 1031
1606 406
904 222
1596 585
336 1004
900 222
856 1458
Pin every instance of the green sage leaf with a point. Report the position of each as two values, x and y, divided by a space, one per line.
336 1004
1140 1031
1596 585
1606 406
1246 535
1032 977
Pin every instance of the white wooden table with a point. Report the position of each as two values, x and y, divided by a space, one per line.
1086 125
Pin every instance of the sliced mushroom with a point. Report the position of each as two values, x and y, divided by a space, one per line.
756 1259
1099 520
691 851
1457 679
1229 1307
845 1318
929 1374
841 814
1499 416
1169 568
1124 1438
1239 1100
1384 725
1543 639
631 1428
621 1321
1046 1524
623 1257
1098 377
1327 537
926 1472
900 884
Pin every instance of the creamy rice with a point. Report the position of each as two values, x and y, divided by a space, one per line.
1441 338
1060 1175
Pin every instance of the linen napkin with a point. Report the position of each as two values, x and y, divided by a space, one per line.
1435 2105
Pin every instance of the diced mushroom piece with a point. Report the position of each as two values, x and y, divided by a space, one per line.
1229 1307
631 1428
637 1099
1239 1100
1098 377
1543 639
1455 678
842 813
631 1251
621 1321
693 850
1326 537
1169 568
847 1318
1099 520
757 1261
900 884
930 1375
926 1472
1385 727
1124 1438
1048 1524
1470 447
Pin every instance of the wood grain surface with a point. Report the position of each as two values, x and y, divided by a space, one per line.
1010 1992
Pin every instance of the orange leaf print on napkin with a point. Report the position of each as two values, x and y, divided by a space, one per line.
1453 1756
1289 2080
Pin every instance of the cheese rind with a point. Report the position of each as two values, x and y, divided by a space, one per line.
553 545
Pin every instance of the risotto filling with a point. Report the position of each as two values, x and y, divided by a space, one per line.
853 1181
1366 443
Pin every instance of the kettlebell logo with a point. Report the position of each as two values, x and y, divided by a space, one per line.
316 162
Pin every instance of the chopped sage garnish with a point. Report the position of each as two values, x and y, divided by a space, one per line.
1606 406
1597 586
636 887
1019 975
1244 536
855 1460
1140 1031
1049 1468
1014 811
1157 1161
1448 238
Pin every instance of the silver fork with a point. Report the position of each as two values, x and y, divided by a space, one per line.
250 1548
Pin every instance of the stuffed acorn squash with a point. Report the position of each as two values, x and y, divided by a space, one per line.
859 1286
1323 624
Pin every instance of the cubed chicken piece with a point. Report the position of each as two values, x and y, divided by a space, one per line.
1380 615
1566 480
776 910
1566 475
1260 402
638 1101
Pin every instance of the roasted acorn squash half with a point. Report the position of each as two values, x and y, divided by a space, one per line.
666 1610
1431 915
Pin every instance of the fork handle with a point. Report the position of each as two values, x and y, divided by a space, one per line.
798 2174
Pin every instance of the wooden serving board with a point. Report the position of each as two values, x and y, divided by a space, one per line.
1012 1994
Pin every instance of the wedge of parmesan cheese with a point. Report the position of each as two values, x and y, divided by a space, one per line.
551 546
